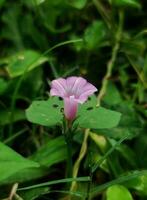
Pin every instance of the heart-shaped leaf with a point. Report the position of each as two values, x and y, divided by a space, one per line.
90 116
46 113
49 113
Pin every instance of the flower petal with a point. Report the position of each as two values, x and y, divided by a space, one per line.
70 107
77 83
55 92
73 90
70 81
58 87
87 91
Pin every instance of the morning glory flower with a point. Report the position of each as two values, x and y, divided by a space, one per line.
73 90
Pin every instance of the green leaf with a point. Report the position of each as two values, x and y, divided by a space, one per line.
90 116
23 62
3 85
129 124
133 47
100 141
46 113
112 95
2 2
94 35
12 163
40 1
34 193
52 10
108 153
116 192
5 116
79 4
126 3
128 154
54 151
27 174
78 46
140 149
120 180
145 68
139 184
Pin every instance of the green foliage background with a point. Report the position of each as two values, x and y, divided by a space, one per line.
104 41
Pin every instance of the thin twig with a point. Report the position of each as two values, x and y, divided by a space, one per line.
13 191
99 6
113 58
100 96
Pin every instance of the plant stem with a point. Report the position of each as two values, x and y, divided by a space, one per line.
68 140
79 159
13 191
89 185
69 157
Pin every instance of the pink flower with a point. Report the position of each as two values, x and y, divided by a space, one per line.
73 90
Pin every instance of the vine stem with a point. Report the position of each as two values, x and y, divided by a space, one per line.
108 74
111 62
103 12
79 159
99 98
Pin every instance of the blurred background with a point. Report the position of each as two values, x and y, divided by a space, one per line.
41 40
